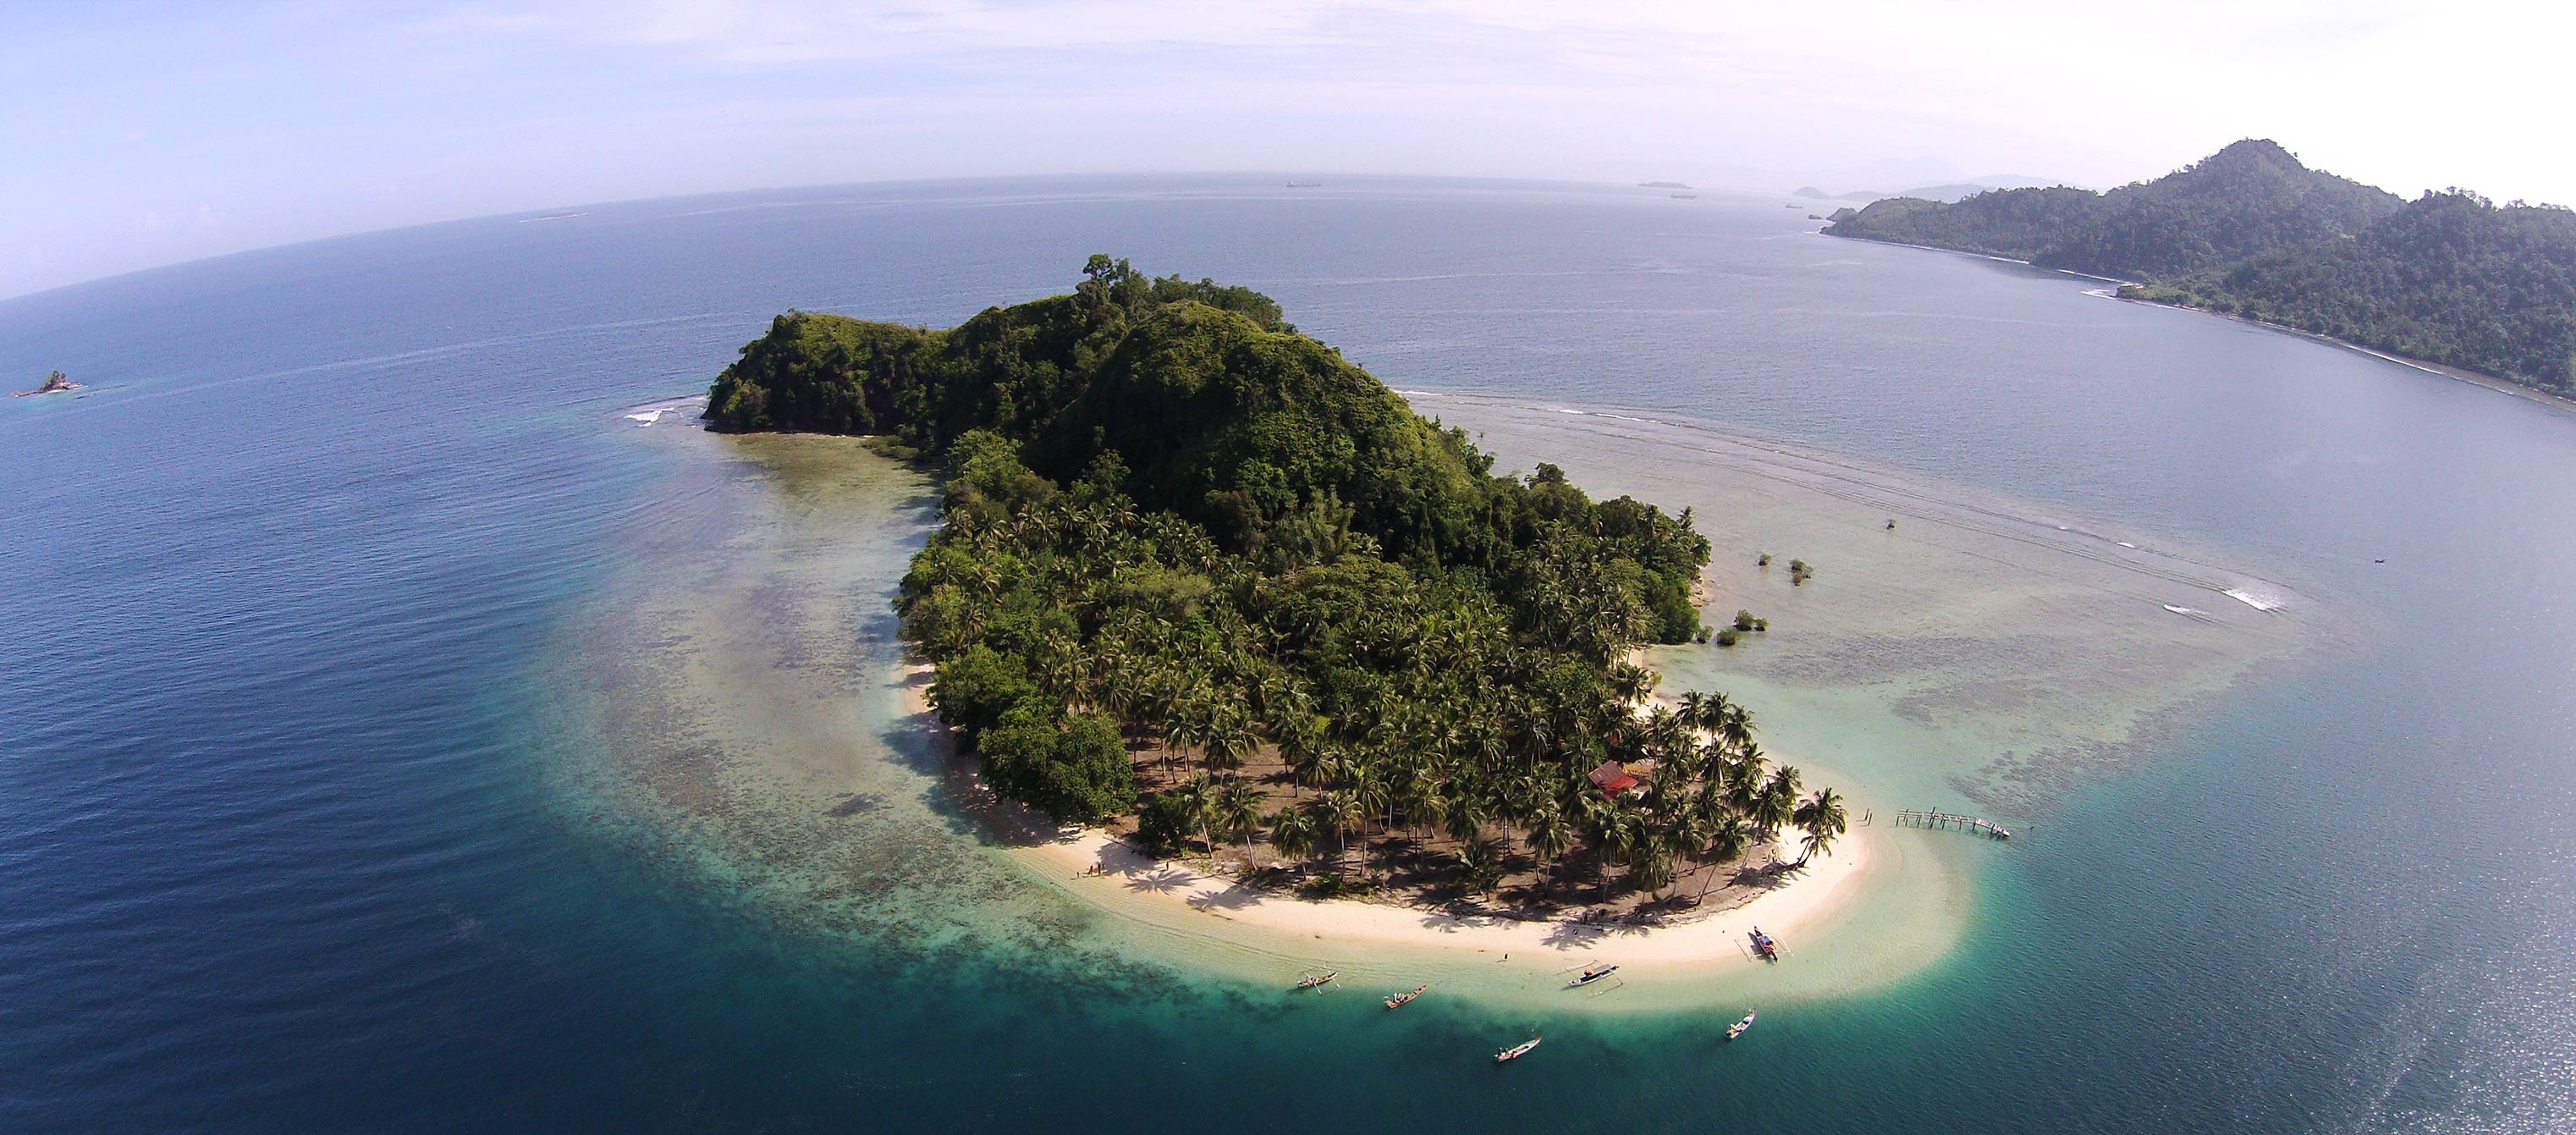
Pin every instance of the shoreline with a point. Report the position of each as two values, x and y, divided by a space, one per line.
1087 864
2462 374
1189 897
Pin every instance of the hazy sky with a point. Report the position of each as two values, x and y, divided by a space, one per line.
142 134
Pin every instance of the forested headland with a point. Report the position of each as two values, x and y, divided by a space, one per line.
2448 278
1204 580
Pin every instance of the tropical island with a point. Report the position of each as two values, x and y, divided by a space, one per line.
54 383
2450 278
1207 585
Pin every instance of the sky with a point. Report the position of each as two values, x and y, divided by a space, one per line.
141 134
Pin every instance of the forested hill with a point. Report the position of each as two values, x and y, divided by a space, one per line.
2250 197
1208 405
2449 278
1179 533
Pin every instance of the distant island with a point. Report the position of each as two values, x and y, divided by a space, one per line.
1205 582
54 383
1661 185
2449 278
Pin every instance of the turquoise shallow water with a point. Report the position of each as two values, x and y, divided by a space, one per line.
302 696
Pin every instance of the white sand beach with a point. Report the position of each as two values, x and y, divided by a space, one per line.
1188 896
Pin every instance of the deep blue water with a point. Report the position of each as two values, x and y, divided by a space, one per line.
278 850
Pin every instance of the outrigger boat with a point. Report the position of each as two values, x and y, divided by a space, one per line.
1312 980
1517 1051
1589 976
1737 1029
1401 999
1765 945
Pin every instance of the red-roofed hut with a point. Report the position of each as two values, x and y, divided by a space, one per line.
1612 778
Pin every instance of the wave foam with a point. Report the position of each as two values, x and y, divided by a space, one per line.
651 414
2259 602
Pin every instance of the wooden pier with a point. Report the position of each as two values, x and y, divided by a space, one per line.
1920 818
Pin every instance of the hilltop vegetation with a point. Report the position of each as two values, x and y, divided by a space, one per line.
2449 278
2248 198
1185 543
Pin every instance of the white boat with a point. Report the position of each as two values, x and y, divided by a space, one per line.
1737 1029
1312 980
1516 1051
1589 976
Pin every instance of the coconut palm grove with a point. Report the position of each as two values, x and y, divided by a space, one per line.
1203 580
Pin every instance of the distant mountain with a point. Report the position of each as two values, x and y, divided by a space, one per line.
2449 279
1955 191
2250 197
1944 193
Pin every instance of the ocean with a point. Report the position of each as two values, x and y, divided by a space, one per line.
403 728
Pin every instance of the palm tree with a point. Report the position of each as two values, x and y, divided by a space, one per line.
1736 727
1814 843
1666 733
1631 682
1369 790
1822 818
1549 835
1341 815
1429 812
1198 801
1772 810
1654 869
1685 834
1293 831
1466 817
1623 837
1229 739
1238 810
1694 708
1482 861
1301 746
1784 781
1745 780
1728 839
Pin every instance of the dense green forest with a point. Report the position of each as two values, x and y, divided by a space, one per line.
1200 572
2449 278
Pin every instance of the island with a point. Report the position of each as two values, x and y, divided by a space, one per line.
54 383
2450 279
1208 587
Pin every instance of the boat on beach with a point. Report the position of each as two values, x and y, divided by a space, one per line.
1765 945
1737 1029
1591 975
1400 1000
1517 1051
1313 980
